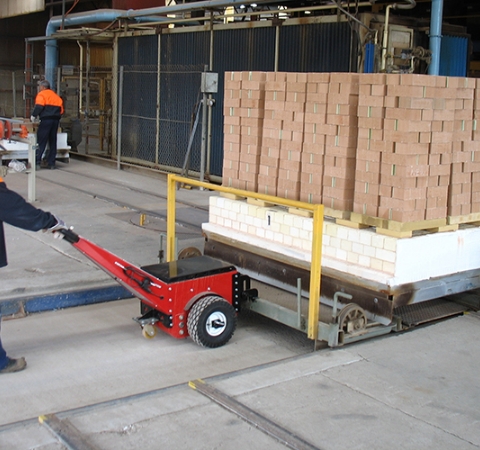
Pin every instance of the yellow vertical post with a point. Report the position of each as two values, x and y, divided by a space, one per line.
171 192
315 272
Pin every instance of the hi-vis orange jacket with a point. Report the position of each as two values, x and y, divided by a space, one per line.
48 105
15 211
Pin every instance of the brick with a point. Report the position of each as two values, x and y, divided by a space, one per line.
294 147
316 189
372 78
315 118
370 122
435 213
345 99
406 159
363 198
318 77
343 120
290 174
411 149
409 194
387 179
406 91
407 216
402 137
276 96
368 188
275 86
371 111
368 155
311 198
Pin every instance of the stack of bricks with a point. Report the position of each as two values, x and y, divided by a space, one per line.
476 142
401 147
413 152
370 144
231 129
244 107
293 117
275 98
280 169
315 131
465 156
341 141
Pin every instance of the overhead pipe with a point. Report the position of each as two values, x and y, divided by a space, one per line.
110 15
435 36
99 15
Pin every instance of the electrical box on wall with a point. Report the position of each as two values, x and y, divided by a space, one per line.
209 84
400 45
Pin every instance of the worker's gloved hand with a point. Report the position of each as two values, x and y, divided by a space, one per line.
32 118
55 229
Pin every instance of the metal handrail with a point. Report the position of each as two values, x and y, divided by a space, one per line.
317 235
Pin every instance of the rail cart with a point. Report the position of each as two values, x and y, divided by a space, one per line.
201 296
197 297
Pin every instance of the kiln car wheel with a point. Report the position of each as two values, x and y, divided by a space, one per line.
352 319
211 321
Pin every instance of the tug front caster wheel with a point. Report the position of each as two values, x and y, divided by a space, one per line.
149 331
211 321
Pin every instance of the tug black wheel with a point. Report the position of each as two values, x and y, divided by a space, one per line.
211 321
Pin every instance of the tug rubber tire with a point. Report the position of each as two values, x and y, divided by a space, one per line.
211 321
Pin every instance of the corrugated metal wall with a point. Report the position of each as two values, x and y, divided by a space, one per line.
453 56
315 48
322 47
183 59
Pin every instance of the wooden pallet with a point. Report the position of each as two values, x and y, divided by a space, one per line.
473 218
397 229
327 212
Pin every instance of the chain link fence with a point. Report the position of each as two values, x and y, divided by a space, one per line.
11 94
156 112
87 97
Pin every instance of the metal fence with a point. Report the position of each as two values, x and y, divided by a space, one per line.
11 93
162 75
156 112
87 96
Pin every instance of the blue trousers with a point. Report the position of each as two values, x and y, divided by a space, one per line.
47 134
3 353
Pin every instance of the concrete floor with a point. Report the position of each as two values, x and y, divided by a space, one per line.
91 368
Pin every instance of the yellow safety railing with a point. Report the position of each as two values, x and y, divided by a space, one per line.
316 263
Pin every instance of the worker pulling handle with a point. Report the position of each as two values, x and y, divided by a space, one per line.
69 235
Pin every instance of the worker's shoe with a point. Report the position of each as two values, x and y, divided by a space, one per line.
14 365
44 164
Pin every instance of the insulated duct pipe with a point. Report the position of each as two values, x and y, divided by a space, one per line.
435 36
109 15
51 54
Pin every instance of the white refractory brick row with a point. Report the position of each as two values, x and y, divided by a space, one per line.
358 252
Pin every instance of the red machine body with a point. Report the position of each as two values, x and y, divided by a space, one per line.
169 291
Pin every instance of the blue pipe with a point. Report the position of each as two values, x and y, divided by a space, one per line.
109 15
436 36
99 15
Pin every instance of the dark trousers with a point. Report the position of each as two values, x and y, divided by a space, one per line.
47 133
3 354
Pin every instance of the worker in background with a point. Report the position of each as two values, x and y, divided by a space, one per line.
15 211
49 108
